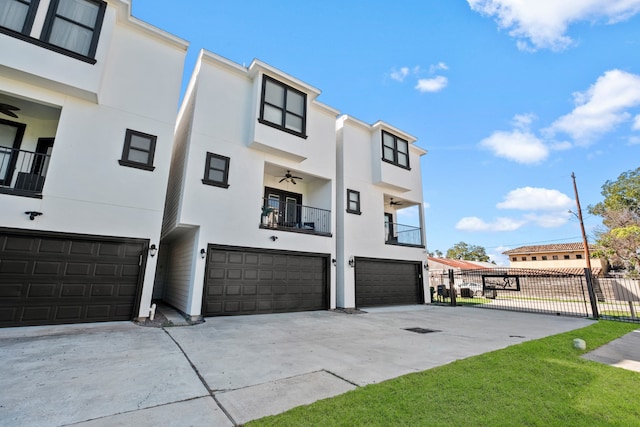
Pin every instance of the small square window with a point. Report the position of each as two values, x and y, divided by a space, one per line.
555 257
544 257
514 259
353 202
578 256
533 258
524 258
139 149
216 170
567 257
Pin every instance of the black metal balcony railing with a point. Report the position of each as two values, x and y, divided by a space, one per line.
22 172
403 235
296 218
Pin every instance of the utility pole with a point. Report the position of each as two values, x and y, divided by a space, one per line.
584 235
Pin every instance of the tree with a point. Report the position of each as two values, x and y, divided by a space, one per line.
462 250
619 239
437 253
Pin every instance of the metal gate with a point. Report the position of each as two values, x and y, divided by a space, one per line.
539 291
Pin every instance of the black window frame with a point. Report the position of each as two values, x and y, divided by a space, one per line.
544 257
356 211
52 15
207 169
283 108
578 256
395 160
125 161
28 20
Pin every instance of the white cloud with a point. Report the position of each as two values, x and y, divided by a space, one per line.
601 108
634 140
532 199
519 146
473 223
636 123
542 24
435 84
523 121
400 75
437 67
550 220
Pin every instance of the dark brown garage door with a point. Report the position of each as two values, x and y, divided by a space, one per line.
387 282
246 281
49 278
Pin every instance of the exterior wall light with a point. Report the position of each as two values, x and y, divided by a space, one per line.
203 253
33 214
153 250
352 262
334 262
273 238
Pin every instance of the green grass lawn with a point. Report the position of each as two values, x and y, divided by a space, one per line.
537 383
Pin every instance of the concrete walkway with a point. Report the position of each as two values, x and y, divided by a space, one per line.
230 370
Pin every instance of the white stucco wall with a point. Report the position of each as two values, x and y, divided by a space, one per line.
364 235
224 122
86 190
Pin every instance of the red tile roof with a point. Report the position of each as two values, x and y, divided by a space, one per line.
557 247
457 263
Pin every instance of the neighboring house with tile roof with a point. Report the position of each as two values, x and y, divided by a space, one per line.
567 257
439 268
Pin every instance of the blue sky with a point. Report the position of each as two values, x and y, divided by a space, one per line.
508 97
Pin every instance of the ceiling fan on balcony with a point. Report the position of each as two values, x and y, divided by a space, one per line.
394 203
289 178
9 110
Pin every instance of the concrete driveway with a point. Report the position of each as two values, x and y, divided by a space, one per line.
230 370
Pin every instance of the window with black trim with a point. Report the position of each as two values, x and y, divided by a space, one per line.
74 25
544 257
216 170
353 202
139 149
17 15
578 256
395 150
283 107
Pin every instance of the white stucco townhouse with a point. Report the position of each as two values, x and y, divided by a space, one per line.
88 100
249 222
381 241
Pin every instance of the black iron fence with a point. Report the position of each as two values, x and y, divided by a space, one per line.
540 291
22 171
289 216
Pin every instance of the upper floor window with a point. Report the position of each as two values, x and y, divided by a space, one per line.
524 258
544 257
17 15
283 107
74 25
514 258
533 258
578 256
567 257
139 149
395 150
555 257
353 202
216 170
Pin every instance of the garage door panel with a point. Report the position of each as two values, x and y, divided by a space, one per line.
387 282
43 291
269 283
57 278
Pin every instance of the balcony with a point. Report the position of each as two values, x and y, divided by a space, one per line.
403 235
294 217
22 173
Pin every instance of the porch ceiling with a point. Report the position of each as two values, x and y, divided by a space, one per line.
29 108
